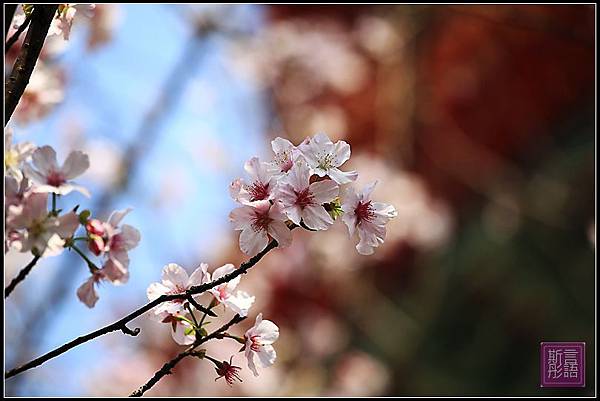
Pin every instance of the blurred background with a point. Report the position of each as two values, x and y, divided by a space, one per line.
478 122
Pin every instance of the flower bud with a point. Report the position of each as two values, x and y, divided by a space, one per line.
95 227
84 216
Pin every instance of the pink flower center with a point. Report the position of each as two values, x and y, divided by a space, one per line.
228 371
364 212
261 222
304 198
223 294
55 178
255 346
259 191
284 160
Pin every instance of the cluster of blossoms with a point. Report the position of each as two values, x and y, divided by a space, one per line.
304 186
187 329
32 175
300 186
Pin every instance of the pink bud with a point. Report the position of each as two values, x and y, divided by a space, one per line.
95 226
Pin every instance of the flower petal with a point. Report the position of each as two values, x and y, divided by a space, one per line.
281 233
252 242
87 293
76 164
316 217
324 191
342 177
44 159
174 276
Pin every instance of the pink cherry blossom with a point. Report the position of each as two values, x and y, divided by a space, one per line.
174 280
367 217
261 184
87 292
324 157
259 340
15 155
285 155
33 229
114 242
259 220
240 301
49 177
61 25
302 200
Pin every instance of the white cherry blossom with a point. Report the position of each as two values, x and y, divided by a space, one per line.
259 339
239 301
260 186
15 155
33 229
324 157
304 201
174 280
259 220
366 217
48 176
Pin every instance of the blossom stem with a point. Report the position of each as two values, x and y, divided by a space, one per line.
166 368
53 203
93 268
21 276
189 308
119 324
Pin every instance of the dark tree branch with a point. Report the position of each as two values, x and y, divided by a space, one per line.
121 324
9 13
15 36
28 56
21 276
166 368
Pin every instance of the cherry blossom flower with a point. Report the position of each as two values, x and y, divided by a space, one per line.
14 191
44 91
61 25
240 302
14 195
87 292
35 230
227 370
324 157
175 280
114 241
285 155
49 177
15 155
302 200
261 184
367 217
259 340
259 220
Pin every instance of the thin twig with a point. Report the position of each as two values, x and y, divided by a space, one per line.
166 368
30 51
15 36
21 276
120 324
